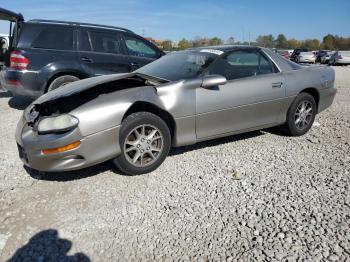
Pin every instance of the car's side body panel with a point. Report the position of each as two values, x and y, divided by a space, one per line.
244 103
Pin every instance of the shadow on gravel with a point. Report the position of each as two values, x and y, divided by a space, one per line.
72 175
20 102
109 166
275 131
215 142
47 246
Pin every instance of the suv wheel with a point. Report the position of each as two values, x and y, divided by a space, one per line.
301 115
61 81
145 142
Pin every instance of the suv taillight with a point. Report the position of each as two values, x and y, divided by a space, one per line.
18 61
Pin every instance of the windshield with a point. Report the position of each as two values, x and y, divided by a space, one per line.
180 65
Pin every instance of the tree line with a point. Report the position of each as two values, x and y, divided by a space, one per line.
329 42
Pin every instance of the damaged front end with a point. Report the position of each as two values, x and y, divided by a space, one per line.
67 98
72 127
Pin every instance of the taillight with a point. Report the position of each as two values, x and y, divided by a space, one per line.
340 57
18 61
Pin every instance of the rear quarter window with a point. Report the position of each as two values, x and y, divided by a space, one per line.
54 38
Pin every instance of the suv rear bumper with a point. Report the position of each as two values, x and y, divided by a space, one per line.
13 81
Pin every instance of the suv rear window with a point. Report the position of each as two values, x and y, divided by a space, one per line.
54 38
101 42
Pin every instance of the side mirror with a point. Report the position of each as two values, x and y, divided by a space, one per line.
213 80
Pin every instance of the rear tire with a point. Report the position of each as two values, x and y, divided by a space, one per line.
145 142
61 81
301 115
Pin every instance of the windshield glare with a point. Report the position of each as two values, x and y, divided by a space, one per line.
179 65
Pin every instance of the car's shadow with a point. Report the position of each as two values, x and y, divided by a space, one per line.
109 166
215 142
19 102
72 175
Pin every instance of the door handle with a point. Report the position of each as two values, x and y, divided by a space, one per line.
86 59
277 85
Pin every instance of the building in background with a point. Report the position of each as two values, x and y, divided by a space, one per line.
157 42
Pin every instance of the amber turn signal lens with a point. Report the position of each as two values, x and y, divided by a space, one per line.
61 149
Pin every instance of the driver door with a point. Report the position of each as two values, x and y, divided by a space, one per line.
251 98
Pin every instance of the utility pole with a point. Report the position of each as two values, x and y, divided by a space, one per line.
242 34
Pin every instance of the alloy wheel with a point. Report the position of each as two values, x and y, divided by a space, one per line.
143 145
303 115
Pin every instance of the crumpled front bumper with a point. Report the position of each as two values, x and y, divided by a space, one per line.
93 149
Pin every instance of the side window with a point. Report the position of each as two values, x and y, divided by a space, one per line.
137 47
240 64
100 42
266 66
54 38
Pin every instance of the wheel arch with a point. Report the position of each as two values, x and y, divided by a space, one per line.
314 93
143 106
77 74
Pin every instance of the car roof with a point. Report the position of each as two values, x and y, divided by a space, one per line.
226 48
78 24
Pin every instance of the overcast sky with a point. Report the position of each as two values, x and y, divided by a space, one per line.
163 19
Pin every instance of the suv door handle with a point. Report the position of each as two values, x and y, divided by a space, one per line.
86 59
277 85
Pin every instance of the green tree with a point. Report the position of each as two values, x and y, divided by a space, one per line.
329 42
265 41
184 44
311 44
281 41
293 43
167 45
215 41
198 41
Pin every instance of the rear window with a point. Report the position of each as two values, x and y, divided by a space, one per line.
293 65
102 42
54 38
345 53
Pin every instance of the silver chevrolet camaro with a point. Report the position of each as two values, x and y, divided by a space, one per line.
182 98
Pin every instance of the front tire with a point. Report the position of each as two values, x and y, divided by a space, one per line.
145 142
301 115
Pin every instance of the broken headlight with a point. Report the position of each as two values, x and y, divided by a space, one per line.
57 124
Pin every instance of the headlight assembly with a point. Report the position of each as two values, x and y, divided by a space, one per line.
57 124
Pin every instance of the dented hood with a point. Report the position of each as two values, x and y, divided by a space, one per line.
85 84
79 86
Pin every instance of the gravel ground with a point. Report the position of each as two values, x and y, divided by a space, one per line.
290 203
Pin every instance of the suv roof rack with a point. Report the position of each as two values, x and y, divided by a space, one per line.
79 24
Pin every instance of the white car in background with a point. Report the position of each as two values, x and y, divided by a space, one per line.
306 57
340 58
